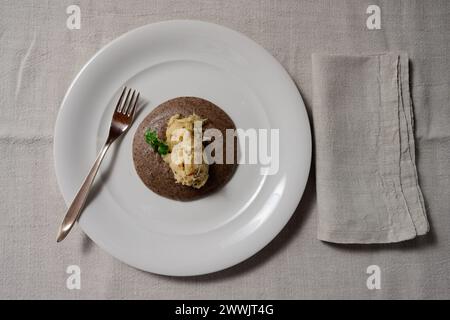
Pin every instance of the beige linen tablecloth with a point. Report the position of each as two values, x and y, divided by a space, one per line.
39 58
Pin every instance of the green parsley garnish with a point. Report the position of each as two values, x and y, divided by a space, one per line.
158 145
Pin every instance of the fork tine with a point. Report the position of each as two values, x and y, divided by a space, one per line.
133 108
119 103
125 102
130 103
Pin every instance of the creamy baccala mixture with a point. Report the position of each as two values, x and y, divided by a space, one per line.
180 157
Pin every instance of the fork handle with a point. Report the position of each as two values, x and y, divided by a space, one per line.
79 201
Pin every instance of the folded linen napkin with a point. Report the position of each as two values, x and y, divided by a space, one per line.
367 183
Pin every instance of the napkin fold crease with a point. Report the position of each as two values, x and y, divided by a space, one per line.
367 183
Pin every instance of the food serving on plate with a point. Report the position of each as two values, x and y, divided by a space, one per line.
165 153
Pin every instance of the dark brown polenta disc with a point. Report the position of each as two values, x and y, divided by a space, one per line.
151 168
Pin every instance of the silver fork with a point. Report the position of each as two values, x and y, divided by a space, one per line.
121 121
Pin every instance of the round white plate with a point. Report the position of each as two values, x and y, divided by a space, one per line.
163 61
